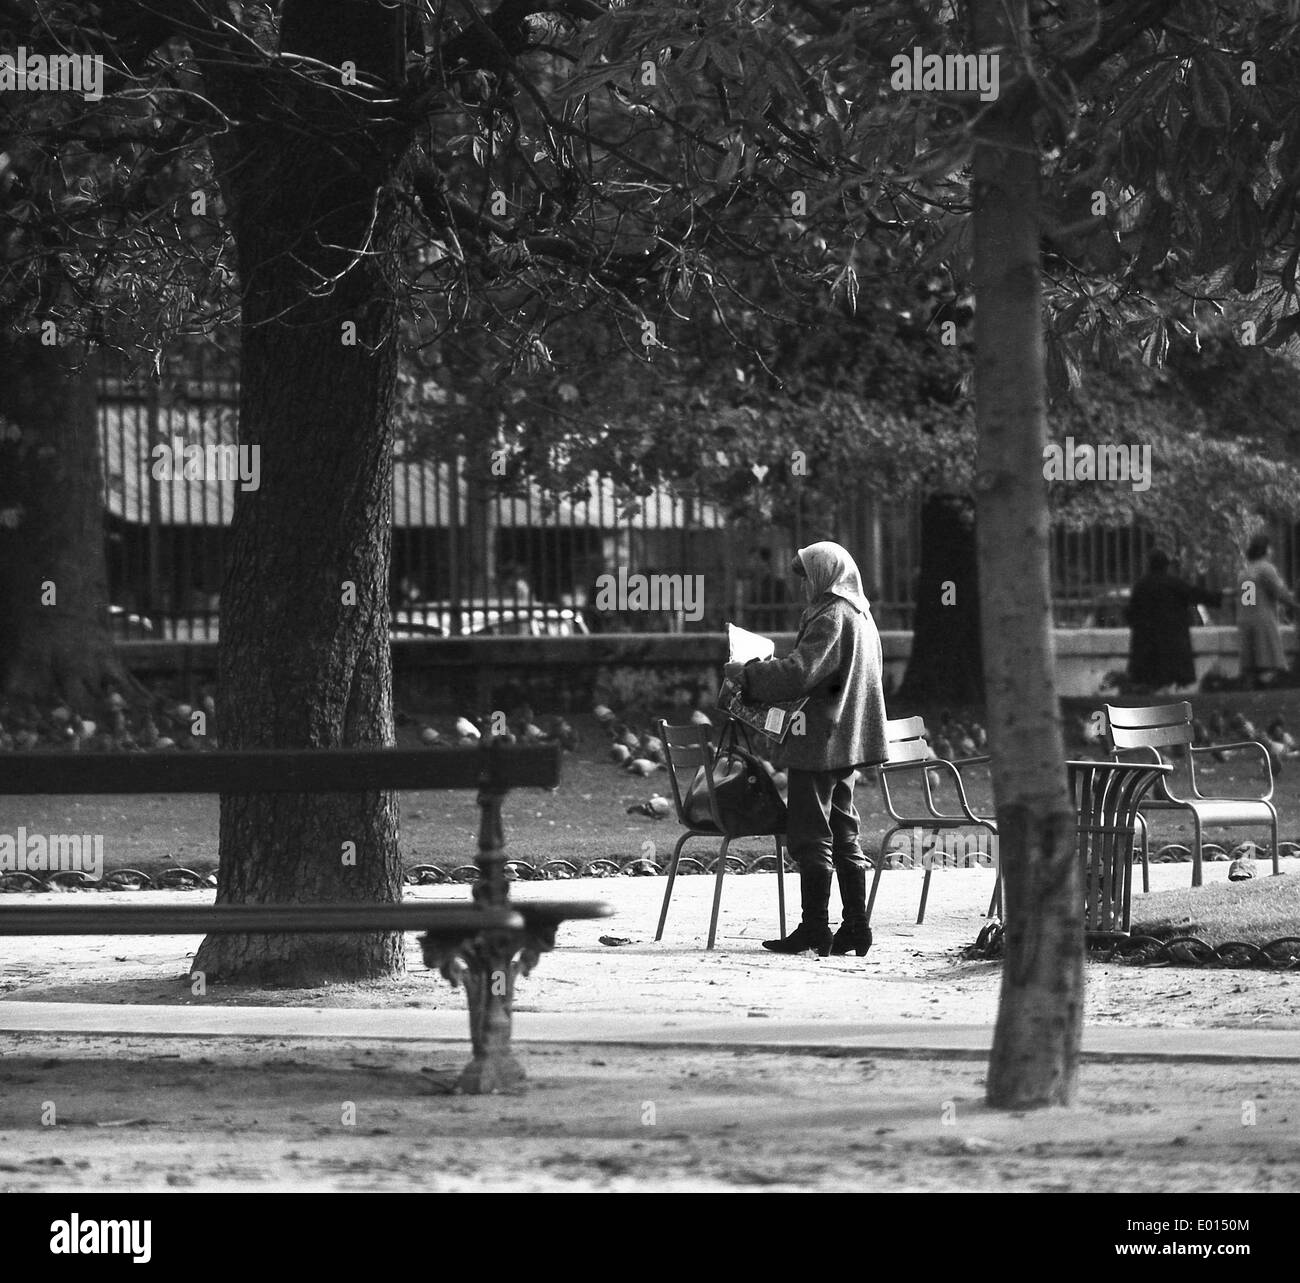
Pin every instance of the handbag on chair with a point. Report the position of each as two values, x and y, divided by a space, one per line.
748 799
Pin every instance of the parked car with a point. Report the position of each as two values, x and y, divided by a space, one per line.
189 627
420 619
486 618
128 627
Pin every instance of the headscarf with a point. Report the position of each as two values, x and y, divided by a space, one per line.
830 569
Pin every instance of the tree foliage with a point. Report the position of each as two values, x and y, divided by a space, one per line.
634 165
1169 136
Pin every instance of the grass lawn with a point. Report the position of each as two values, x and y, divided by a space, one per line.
1257 911
587 817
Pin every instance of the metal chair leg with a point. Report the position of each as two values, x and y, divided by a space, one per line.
880 868
1196 850
780 880
717 891
1273 826
672 877
1146 864
1126 896
925 895
927 859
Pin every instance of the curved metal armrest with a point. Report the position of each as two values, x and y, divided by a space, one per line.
885 769
1227 748
1160 791
925 767
1118 754
978 760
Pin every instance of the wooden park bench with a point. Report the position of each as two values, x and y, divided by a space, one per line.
484 944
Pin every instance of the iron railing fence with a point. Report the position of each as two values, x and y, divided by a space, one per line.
471 556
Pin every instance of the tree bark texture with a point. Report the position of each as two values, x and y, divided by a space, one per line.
1040 1013
54 640
304 654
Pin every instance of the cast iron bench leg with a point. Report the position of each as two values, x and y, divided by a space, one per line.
489 963
492 965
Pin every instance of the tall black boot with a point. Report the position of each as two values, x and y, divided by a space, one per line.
801 939
854 934
814 931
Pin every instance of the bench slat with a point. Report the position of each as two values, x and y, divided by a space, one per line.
550 913
266 919
436 916
1124 737
334 770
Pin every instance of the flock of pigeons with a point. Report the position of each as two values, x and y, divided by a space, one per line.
522 726
171 724
639 753
955 740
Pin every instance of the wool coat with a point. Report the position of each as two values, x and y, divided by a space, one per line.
837 662
1257 626
1160 638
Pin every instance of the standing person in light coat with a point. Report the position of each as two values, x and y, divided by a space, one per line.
837 664
1262 656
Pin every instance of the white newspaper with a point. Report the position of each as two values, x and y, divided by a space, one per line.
742 645
771 719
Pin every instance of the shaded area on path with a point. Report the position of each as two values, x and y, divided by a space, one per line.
145 1114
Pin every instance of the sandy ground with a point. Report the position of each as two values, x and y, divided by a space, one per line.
137 1113
912 972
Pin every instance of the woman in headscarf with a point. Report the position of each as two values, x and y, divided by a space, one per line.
837 664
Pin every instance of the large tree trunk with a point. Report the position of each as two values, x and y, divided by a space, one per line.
54 639
304 655
946 662
1040 1013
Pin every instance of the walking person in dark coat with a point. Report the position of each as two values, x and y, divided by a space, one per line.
837 664
1159 616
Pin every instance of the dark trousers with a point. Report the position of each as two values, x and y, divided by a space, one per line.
822 829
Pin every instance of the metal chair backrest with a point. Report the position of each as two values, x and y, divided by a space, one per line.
905 740
1151 729
686 748
1156 726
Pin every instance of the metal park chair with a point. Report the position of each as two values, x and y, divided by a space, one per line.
909 759
1154 730
688 749
1106 798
